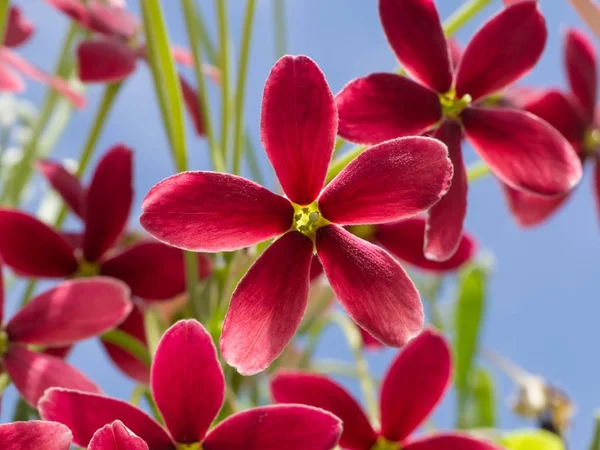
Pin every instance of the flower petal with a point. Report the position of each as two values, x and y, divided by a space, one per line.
85 413
108 202
33 373
65 183
153 270
405 239
321 392
190 97
384 106
116 436
298 125
268 427
10 81
582 70
36 434
113 21
414 31
127 363
32 248
73 311
268 305
450 441
391 181
18 28
445 221
105 60
417 379
502 51
530 210
522 150
371 285
211 212
187 381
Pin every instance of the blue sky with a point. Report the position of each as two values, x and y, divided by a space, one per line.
543 305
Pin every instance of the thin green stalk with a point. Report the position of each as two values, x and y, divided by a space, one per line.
221 6
128 343
137 394
341 162
279 22
4 382
463 14
252 161
28 293
153 407
191 279
477 170
596 439
200 27
23 412
240 91
195 38
4 8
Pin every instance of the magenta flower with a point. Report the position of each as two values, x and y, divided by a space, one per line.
71 312
576 116
208 211
18 31
188 387
116 436
36 434
414 384
522 150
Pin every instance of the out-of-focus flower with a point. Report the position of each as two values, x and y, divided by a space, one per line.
576 116
188 388
36 434
73 311
522 150
207 211
414 384
18 31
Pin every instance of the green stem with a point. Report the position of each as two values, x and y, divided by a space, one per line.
128 343
341 162
28 292
596 439
23 412
195 38
4 8
240 91
253 161
477 170
153 407
463 14
191 279
224 66
279 22
200 27
4 382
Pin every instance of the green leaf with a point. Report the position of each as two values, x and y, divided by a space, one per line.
155 328
166 81
483 401
532 440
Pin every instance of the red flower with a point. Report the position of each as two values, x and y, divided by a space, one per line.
35 434
576 116
207 211
523 151
18 31
116 436
188 388
414 384
73 311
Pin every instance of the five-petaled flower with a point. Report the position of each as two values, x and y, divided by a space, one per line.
522 150
208 211
73 311
413 385
576 116
188 387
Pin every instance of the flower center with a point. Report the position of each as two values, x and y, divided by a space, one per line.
383 444
452 106
4 342
87 269
193 446
308 219
591 141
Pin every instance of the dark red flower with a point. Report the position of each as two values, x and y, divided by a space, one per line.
73 311
575 115
208 211
414 384
188 388
35 434
522 150
115 436
18 31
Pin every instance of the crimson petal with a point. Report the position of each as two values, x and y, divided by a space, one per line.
405 239
384 106
268 305
65 183
116 436
522 150
450 441
190 97
187 381
502 51
36 434
446 217
85 413
108 202
371 285
530 210
211 212
112 21
582 70
18 28
10 81
33 373
414 31
321 392
73 311
268 427
393 180
105 60
298 125
417 379
32 248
